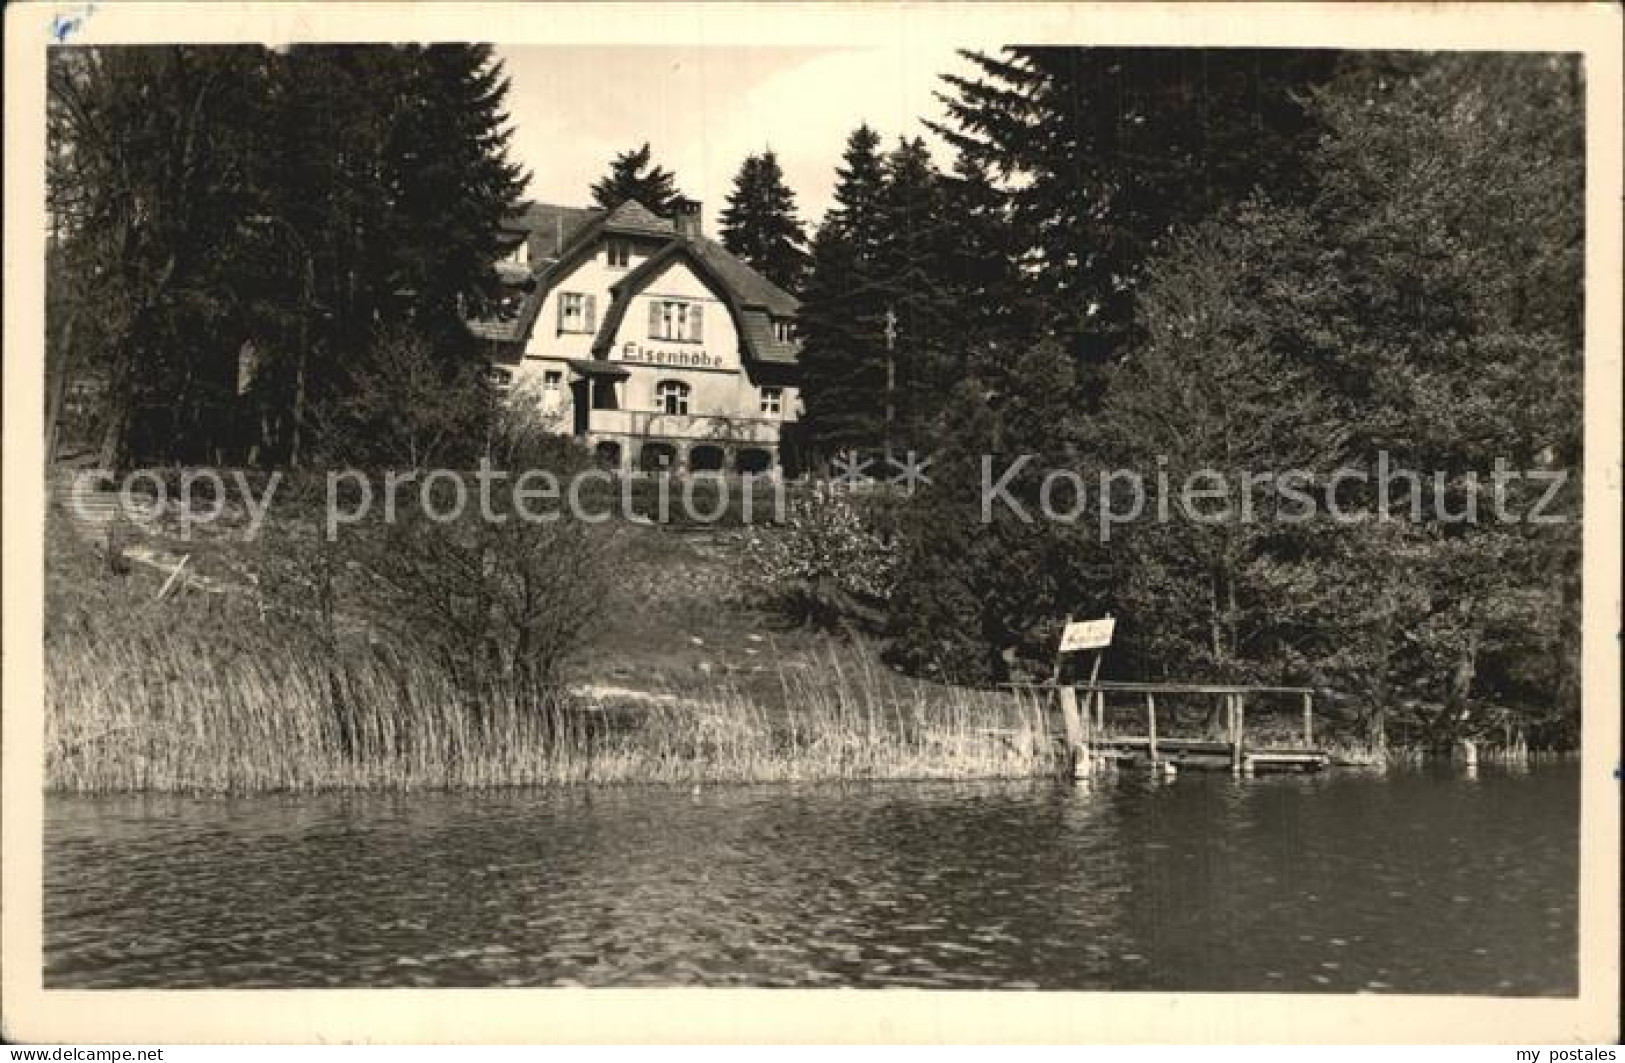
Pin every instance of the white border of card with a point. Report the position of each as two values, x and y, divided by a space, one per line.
563 1015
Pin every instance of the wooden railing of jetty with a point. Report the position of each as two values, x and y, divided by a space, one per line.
1092 744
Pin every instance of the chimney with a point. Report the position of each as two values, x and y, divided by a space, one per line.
687 215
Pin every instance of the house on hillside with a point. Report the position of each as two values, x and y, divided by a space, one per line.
646 340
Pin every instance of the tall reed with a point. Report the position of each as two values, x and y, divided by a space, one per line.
175 712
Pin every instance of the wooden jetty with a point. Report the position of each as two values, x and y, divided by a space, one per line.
1091 740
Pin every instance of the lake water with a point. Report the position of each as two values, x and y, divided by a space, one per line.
1423 881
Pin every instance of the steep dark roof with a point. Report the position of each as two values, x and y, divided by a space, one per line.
549 228
634 217
757 327
748 286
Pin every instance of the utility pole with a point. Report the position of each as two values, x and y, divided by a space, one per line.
891 377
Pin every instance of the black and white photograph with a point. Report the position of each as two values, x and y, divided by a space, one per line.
937 498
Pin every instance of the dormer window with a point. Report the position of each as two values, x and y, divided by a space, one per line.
784 330
519 254
674 319
619 253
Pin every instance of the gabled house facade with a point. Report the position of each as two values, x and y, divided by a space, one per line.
645 340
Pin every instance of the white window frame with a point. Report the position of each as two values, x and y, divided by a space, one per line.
618 253
678 321
573 312
784 330
552 379
772 401
672 393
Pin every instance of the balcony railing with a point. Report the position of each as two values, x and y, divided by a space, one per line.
650 423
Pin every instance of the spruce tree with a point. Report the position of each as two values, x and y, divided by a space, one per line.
760 225
631 176
447 158
858 184
995 309
1119 146
842 320
342 189
915 233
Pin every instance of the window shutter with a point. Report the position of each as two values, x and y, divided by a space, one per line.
562 298
696 322
654 319
592 313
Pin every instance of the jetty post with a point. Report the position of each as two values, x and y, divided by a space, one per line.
1094 690
1151 727
1308 720
1238 725
1076 753
1076 745
1093 635
1221 747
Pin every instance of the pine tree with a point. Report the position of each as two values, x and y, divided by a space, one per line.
858 184
760 224
1117 147
995 310
383 208
842 320
632 177
288 203
936 618
447 159
914 235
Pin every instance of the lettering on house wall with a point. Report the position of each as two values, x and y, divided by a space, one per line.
636 352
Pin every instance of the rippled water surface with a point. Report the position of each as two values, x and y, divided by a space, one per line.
1410 882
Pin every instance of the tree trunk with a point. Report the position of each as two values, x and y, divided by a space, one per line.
1215 633
1459 690
59 388
113 452
1376 728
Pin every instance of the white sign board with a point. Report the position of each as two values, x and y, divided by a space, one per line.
1087 635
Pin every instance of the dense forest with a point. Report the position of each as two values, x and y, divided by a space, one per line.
227 215
1165 262
1155 260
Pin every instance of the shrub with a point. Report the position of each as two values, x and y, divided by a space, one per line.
828 564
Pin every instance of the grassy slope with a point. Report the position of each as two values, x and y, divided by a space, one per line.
194 692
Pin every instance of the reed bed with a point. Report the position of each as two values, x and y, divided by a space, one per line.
173 712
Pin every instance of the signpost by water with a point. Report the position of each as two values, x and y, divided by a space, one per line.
1079 636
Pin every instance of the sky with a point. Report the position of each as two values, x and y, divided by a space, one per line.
703 109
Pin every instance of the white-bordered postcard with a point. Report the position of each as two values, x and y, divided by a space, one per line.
658 522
